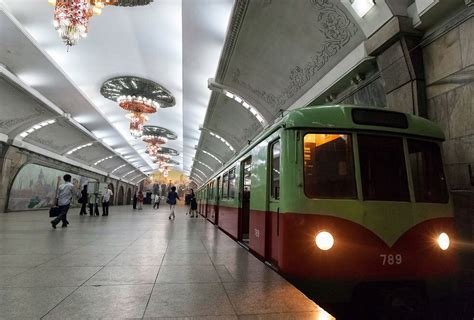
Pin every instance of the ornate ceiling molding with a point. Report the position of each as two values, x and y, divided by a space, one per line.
238 15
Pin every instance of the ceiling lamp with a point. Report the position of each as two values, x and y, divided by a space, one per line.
133 3
71 17
156 136
139 97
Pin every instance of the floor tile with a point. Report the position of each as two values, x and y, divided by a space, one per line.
51 277
187 274
30 303
24 260
267 297
124 275
125 259
105 302
81 260
180 300
183 259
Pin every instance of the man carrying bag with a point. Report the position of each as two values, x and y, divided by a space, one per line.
65 194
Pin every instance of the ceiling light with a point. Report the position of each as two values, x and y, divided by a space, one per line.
139 97
71 17
118 168
102 160
361 7
200 171
155 136
38 126
203 164
212 156
130 172
222 139
79 148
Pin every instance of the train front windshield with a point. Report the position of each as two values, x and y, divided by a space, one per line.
329 168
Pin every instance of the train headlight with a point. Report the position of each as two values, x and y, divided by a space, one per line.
324 240
443 241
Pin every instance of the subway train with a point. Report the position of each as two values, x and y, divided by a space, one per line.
346 200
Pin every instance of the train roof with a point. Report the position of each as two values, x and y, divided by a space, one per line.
345 117
361 118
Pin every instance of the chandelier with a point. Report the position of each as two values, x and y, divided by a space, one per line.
140 97
71 17
154 137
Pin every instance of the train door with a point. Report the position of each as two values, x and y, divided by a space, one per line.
245 187
216 219
273 216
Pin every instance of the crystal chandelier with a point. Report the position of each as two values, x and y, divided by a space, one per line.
71 17
139 97
154 137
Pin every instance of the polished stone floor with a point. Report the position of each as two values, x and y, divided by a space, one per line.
136 264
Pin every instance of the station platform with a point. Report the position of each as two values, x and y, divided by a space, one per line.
134 265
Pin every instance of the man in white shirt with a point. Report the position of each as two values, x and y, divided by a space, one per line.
64 197
105 201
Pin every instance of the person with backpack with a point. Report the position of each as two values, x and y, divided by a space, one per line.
172 197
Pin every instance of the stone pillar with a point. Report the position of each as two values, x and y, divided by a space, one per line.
11 160
400 61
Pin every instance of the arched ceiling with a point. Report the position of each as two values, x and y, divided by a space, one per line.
261 57
270 59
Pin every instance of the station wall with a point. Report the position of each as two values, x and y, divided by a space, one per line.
449 74
29 180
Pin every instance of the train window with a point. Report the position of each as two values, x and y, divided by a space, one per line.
225 186
275 171
427 172
328 166
383 170
232 184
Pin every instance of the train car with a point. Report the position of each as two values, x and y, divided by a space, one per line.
346 199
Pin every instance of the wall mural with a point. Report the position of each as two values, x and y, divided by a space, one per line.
174 178
35 187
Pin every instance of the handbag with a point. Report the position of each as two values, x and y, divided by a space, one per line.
54 212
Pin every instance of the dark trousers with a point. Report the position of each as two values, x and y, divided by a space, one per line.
105 208
62 216
83 208
156 205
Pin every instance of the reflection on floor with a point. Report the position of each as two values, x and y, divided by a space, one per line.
136 264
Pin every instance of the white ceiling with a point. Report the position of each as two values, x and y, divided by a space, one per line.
175 43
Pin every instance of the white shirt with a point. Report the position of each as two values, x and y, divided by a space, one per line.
65 193
107 195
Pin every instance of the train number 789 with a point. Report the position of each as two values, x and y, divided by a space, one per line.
391 259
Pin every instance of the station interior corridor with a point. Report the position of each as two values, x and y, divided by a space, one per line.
137 264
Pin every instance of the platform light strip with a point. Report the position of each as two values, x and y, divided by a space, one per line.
102 160
118 168
222 139
197 175
137 176
197 178
130 172
40 125
202 163
212 156
79 148
247 106
200 171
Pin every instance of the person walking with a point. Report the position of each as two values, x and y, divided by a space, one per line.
156 201
106 201
140 200
64 197
187 202
134 201
172 197
194 205
84 201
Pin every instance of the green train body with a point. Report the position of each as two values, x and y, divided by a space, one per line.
386 221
